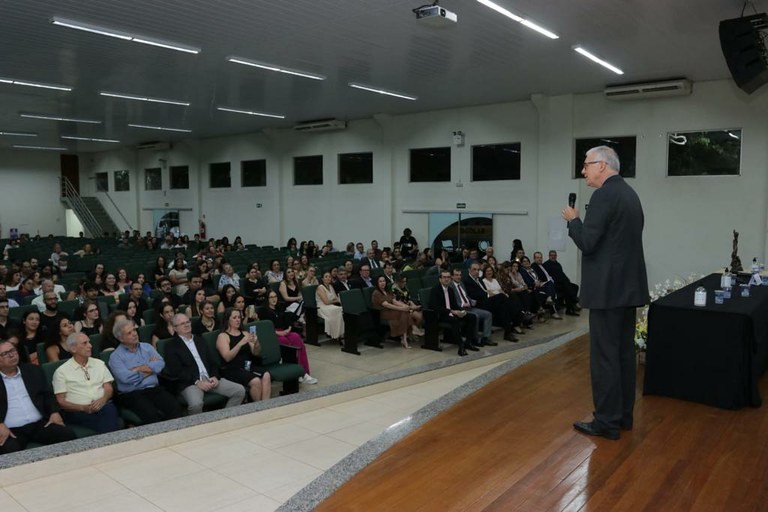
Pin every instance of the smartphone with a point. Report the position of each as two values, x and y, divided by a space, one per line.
253 330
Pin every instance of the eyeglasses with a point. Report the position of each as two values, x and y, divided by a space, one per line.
9 353
182 323
590 163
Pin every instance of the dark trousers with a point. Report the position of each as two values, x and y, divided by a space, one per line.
105 420
36 432
466 326
613 365
567 294
151 404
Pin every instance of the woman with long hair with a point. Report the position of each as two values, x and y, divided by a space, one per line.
163 323
228 294
285 334
397 313
329 308
108 340
290 293
198 299
131 310
89 320
31 334
241 353
123 281
274 274
248 312
207 322
158 271
56 342
110 287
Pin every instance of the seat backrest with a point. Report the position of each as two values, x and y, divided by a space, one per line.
210 340
367 297
68 307
161 345
148 315
145 333
42 357
28 299
270 346
424 297
49 369
17 312
104 356
414 285
429 281
352 302
310 299
95 344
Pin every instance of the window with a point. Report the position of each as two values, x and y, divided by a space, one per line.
625 147
355 168
102 182
179 176
153 178
219 175
492 162
253 173
430 164
122 181
308 170
712 153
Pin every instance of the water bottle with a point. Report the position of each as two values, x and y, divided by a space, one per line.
755 266
700 297
725 280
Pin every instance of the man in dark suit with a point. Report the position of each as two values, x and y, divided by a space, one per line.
370 260
613 284
364 280
442 300
500 307
28 410
187 359
567 292
341 284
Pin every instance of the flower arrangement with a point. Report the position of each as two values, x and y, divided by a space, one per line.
658 291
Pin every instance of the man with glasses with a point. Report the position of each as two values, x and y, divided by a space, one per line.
28 411
45 287
137 295
613 284
188 360
135 367
504 311
481 316
442 299
83 388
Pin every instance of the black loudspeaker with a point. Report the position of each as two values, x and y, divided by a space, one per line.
744 51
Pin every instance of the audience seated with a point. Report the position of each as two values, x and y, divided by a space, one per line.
567 292
88 319
484 319
396 313
442 299
56 346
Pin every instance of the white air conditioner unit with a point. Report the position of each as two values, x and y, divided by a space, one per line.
154 146
649 90
321 125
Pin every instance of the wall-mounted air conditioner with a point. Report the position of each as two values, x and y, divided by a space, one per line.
154 146
320 125
647 90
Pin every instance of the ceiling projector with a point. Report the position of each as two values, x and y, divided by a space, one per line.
435 15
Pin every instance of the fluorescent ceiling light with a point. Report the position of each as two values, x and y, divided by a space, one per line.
143 98
124 35
249 112
163 128
514 17
19 134
59 118
382 91
89 139
600 61
41 85
273 67
47 148
733 135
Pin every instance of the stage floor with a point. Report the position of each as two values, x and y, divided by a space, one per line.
510 446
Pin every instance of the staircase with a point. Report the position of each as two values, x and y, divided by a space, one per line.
89 211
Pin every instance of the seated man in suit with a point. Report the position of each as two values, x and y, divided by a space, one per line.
501 307
567 292
370 259
364 280
483 317
442 299
83 388
188 360
389 274
341 284
135 367
28 411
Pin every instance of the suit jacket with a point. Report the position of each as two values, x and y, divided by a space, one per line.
437 301
366 261
339 287
359 283
41 396
180 363
610 237
530 282
475 291
555 269
541 272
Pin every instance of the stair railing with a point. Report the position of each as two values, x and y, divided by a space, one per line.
72 196
118 210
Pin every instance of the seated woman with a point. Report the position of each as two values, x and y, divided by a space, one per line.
228 294
285 335
512 282
178 277
194 309
329 308
110 287
229 277
108 340
32 334
97 275
56 348
142 280
311 277
401 293
397 313
290 293
248 312
255 287
158 271
12 281
123 281
89 321
207 322
241 354
131 309
163 323
27 288
490 281
274 274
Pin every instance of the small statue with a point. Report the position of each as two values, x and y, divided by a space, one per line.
735 260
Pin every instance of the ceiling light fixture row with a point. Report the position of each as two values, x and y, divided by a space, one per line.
143 98
46 148
40 85
18 134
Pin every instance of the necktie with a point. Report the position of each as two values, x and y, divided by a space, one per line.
447 301
464 299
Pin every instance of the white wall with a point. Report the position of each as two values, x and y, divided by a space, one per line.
688 220
30 193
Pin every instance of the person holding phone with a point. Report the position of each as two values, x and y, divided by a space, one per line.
241 353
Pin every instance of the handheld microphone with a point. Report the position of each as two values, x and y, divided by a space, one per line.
572 199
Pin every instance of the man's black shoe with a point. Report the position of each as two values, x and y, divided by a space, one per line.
591 429
469 346
511 337
572 312
490 343
462 352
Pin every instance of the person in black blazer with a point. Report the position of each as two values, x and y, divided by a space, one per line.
500 307
364 279
370 260
567 292
49 428
194 381
341 284
459 319
613 284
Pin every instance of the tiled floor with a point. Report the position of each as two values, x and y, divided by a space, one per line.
253 468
